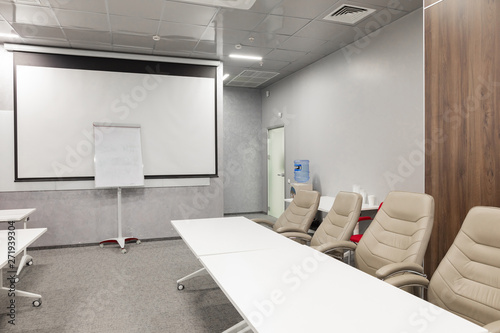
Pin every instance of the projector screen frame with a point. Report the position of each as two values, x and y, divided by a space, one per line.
122 65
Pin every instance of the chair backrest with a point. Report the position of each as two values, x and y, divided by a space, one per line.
300 213
340 221
467 281
399 232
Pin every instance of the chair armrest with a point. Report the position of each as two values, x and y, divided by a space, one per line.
493 327
335 246
406 280
300 235
399 267
263 221
289 229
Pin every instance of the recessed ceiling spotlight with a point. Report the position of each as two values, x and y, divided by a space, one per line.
245 57
237 46
156 38
251 39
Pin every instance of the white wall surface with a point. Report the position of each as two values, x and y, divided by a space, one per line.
357 114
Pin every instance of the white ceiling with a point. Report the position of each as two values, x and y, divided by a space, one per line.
288 34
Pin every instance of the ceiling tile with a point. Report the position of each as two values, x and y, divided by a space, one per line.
85 20
270 65
31 31
262 39
246 50
238 19
151 9
175 45
140 41
188 13
34 15
264 6
323 30
128 49
281 25
95 6
180 31
301 44
285 55
302 8
133 25
80 35
226 36
288 34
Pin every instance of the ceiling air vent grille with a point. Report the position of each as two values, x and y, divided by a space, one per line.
251 79
349 14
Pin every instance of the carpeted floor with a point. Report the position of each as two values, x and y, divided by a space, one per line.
89 289
93 289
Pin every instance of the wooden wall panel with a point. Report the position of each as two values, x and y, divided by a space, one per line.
462 106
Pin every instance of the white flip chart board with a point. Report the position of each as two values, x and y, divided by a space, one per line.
118 155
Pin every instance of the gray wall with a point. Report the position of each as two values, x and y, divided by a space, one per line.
88 216
243 150
357 114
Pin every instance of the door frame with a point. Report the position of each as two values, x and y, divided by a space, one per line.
267 165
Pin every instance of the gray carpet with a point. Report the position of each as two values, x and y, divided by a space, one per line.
89 289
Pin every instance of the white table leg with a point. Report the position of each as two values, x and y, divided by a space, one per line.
25 258
199 272
19 292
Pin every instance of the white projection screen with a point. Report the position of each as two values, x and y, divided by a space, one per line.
59 97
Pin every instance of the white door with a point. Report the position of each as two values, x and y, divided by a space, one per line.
276 171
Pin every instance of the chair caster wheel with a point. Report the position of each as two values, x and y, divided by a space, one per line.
138 242
101 245
124 251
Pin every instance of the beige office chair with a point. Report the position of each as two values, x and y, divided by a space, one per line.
467 281
337 225
299 215
397 238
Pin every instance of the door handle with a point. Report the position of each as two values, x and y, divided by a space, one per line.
281 174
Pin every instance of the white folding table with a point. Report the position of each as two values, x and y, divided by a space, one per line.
10 248
225 235
303 290
16 216
278 285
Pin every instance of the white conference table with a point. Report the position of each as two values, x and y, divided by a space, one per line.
23 239
228 234
303 290
278 285
224 235
326 203
16 216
